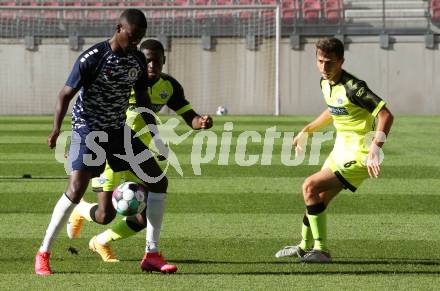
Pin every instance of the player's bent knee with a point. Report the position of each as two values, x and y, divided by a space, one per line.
308 187
74 196
105 217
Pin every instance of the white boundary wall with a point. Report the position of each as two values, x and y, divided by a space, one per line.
405 75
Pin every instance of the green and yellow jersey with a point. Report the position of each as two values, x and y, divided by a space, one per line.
165 91
353 107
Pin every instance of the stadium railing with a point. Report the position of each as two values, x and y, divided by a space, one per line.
305 17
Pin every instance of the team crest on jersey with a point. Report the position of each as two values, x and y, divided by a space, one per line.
132 74
163 95
102 180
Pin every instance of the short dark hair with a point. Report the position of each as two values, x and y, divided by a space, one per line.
134 17
152 44
331 45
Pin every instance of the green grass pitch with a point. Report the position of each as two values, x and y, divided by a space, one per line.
223 227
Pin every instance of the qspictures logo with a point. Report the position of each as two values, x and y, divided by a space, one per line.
226 148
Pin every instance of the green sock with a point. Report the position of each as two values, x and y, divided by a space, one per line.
120 230
318 225
306 235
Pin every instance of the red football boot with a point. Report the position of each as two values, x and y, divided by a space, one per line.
154 262
42 264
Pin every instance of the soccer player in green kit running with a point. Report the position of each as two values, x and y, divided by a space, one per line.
353 108
163 90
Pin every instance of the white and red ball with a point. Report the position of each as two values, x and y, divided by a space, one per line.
129 198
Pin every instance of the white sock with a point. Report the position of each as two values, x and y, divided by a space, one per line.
83 209
61 213
154 214
103 238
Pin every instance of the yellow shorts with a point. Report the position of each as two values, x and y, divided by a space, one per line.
350 168
109 180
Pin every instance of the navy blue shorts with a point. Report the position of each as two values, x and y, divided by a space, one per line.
89 150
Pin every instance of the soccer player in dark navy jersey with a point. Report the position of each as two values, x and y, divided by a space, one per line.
163 90
104 76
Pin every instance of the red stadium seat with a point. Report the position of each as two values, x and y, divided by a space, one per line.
226 16
200 14
29 3
7 14
225 2
156 3
136 3
72 14
289 10
245 14
311 10
94 14
181 14
435 10
268 13
332 10
51 14
182 3
28 15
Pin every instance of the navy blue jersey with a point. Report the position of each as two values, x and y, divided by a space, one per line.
105 80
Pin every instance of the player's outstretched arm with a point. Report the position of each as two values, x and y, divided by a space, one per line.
196 121
320 122
384 122
64 97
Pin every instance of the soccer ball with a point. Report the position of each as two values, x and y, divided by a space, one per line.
129 198
221 110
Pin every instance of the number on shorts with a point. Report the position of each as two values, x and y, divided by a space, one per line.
349 164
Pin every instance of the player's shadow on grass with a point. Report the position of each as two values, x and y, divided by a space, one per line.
424 262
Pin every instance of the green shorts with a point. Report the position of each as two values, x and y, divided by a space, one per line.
109 180
350 168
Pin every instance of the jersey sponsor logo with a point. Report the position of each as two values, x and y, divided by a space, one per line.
338 110
102 180
132 74
163 95
360 92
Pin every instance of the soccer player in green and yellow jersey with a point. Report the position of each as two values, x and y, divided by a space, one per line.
163 90
353 108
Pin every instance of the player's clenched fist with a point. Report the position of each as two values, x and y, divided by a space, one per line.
52 139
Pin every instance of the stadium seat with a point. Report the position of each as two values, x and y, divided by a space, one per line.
200 14
94 14
136 3
181 14
72 15
311 11
7 15
332 10
226 15
246 14
157 3
51 14
289 10
435 11
268 13
29 3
